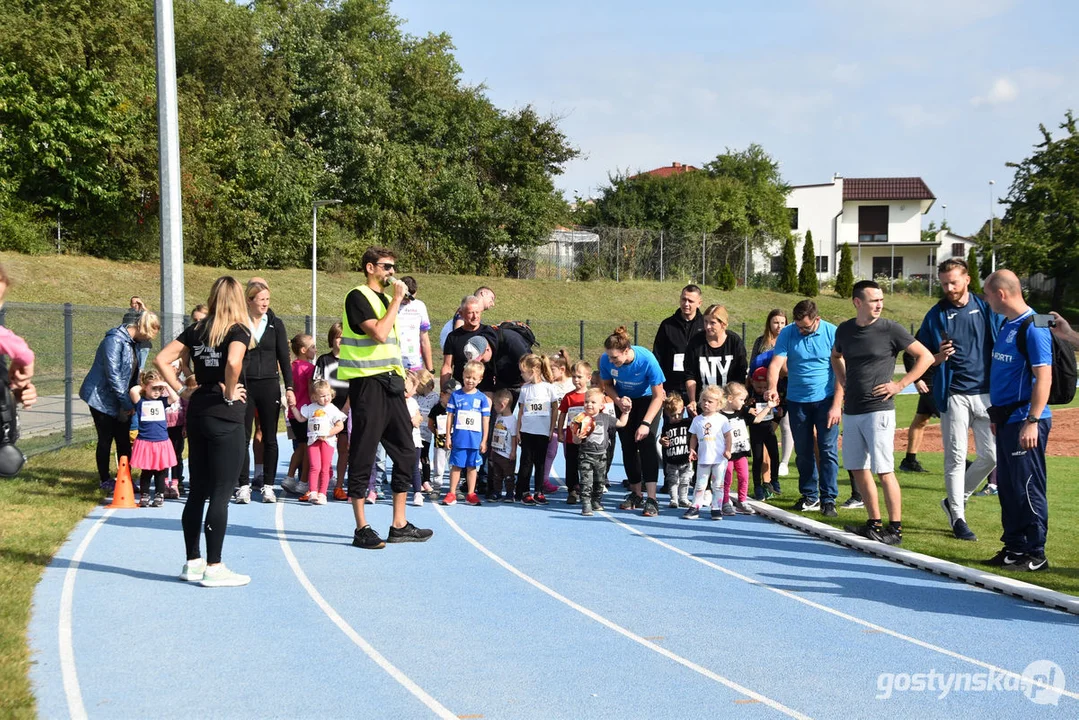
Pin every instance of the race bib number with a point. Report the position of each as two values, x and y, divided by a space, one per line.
771 413
500 440
318 426
679 362
469 420
152 412
440 424
536 408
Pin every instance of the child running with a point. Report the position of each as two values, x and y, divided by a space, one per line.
738 461
571 405
152 452
324 422
468 418
303 372
710 446
589 430
536 414
677 469
503 457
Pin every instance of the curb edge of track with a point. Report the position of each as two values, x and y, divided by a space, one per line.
979 578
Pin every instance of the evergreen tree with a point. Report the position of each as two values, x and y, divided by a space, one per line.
975 273
844 279
807 276
725 279
788 276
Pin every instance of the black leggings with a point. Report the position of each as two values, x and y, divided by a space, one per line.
762 437
176 435
572 453
110 430
265 397
425 463
158 476
215 452
533 456
640 459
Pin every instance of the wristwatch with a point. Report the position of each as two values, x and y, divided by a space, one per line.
1033 419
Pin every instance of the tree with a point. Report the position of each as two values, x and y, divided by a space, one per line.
807 275
788 275
1041 225
725 279
844 279
930 233
975 274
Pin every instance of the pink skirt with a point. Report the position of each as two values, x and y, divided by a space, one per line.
153 454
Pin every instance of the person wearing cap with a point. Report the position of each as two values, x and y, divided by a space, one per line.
453 350
673 337
762 433
714 357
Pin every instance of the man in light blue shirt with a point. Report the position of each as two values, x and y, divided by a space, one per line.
805 350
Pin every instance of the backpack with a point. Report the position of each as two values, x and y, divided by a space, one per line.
515 340
1062 388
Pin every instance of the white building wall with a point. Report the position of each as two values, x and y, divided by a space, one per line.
904 220
817 207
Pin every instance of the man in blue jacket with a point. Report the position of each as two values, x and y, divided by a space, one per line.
960 331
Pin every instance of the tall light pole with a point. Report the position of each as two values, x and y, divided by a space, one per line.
943 216
168 168
314 260
992 247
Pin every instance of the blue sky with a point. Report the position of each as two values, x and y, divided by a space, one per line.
949 90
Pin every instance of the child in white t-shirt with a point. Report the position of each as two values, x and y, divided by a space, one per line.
710 444
537 410
324 423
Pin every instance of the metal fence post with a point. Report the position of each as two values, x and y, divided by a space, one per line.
743 332
69 370
661 256
582 341
617 257
307 325
704 250
3 316
635 333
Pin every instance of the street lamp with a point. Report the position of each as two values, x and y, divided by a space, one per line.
992 247
943 215
314 259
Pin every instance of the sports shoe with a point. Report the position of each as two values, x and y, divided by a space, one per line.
804 504
380 494
528 499
144 500
962 531
372 497
321 499
1034 563
171 493
243 495
1006 558
743 508
784 470
947 508
180 487
673 501
408 533
508 499
691 514
573 497
268 494
492 497
294 486
633 501
471 499
911 466
449 499
827 509
869 532
540 498
417 499
159 500
728 509
459 495
987 490
367 538
651 508
339 493
551 487
306 497
717 513
220 576
683 501
586 510
596 505
852 503
771 489
193 570
108 486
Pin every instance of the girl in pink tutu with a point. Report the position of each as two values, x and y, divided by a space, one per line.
152 452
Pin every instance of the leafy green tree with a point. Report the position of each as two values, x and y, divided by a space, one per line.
788 276
844 279
975 274
725 279
807 275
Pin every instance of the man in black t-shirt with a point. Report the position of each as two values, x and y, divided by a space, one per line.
453 352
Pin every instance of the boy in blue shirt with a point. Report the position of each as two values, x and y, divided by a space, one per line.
468 420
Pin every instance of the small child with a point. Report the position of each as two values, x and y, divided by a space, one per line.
710 446
563 383
324 422
152 452
537 411
412 384
608 408
503 457
590 431
571 405
738 463
762 435
436 422
677 469
426 398
303 372
468 421
176 420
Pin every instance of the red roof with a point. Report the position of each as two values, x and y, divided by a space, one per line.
675 168
908 188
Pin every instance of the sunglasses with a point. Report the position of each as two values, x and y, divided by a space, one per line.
386 265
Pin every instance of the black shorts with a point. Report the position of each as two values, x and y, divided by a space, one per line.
299 432
927 405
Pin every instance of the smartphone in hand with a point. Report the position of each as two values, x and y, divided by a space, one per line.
1044 321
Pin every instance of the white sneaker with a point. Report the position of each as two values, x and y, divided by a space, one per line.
193 570
243 495
294 486
417 499
220 576
674 500
784 470
322 498
268 494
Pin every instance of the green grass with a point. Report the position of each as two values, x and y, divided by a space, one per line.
37 512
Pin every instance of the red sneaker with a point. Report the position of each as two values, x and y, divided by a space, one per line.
540 499
449 499
306 497
473 499
528 499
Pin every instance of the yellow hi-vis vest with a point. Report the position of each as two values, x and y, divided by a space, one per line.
362 355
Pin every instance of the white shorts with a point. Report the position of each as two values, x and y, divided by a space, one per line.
869 442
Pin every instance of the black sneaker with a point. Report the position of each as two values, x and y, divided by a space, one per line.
651 508
869 532
596 504
586 511
892 535
367 538
491 497
573 498
633 501
409 533
1034 563
962 531
804 504
911 466
717 513
1007 559
827 509
691 514
508 499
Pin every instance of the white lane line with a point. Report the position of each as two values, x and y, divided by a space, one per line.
840 613
619 629
433 705
75 706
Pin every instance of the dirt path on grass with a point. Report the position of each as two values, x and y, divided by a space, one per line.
1063 438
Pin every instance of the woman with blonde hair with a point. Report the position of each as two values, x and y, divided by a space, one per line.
217 349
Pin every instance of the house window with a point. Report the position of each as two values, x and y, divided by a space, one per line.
887 266
873 223
777 264
957 251
794 217
931 259
822 263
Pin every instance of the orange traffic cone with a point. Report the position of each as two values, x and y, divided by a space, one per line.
123 496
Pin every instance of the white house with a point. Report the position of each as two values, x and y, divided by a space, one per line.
881 220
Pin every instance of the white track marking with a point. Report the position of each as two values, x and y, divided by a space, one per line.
837 613
75 707
619 629
433 705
